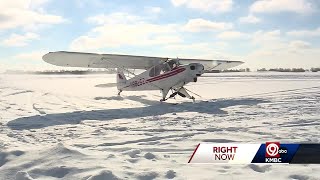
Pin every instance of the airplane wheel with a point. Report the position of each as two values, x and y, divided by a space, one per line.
195 79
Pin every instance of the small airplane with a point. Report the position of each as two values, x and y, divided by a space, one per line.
160 73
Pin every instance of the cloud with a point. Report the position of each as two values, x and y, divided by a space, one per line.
274 42
212 50
304 33
91 3
30 61
212 6
122 34
285 57
266 45
267 38
188 47
30 56
250 19
28 13
155 10
114 18
274 6
16 40
199 25
120 29
230 35
123 29
272 50
299 45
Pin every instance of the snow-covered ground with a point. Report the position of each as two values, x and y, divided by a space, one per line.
76 127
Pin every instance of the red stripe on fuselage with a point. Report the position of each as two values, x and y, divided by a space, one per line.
162 76
170 72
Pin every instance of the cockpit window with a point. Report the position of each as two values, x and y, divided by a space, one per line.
172 64
159 69
155 71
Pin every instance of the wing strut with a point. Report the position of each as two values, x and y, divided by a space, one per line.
124 69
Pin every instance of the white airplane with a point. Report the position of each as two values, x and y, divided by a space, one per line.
162 74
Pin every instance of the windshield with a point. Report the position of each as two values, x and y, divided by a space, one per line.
160 69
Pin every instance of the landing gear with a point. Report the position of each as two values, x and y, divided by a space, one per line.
181 92
164 94
119 92
193 99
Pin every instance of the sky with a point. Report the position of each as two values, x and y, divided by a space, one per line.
262 33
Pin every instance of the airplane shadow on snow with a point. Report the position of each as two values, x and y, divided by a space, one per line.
140 99
207 107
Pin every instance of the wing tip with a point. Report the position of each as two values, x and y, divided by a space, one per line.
48 58
45 57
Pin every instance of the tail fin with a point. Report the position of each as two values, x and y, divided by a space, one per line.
121 79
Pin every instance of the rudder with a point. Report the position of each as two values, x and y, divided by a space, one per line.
121 79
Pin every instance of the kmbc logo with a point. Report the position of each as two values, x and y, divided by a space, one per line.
272 149
273 152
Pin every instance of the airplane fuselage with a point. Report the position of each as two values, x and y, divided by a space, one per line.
173 78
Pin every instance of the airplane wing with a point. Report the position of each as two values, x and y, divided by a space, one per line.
92 60
212 64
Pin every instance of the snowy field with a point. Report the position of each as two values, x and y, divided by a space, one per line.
76 127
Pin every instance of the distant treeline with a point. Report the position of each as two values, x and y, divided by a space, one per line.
228 70
289 70
236 70
264 70
76 72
